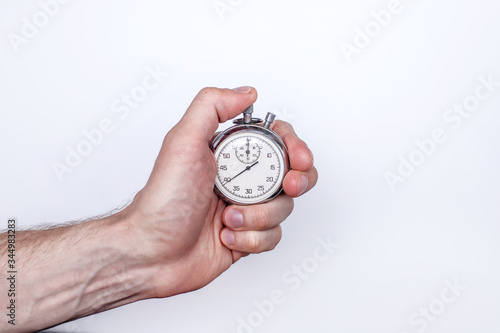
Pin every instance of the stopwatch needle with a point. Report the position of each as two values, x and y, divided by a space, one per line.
246 169
248 149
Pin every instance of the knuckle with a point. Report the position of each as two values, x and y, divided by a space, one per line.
286 205
208 92
261 218
278 234
315 175
253 242
288 138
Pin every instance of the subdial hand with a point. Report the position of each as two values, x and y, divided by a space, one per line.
246 169
248 147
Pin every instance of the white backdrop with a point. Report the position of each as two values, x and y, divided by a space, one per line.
398 100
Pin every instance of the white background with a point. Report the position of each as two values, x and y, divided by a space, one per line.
396 248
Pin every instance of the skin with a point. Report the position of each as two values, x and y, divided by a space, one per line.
176 236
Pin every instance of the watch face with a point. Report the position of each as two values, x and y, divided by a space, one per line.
250 167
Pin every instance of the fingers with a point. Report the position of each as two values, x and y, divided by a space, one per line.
301 157
258 217
213 106
255 229
303 175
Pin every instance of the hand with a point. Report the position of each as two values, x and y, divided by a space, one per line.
179 228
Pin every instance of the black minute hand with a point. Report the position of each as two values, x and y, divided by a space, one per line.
246 169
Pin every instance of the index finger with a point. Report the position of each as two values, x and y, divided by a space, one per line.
301 157
213 106
303 175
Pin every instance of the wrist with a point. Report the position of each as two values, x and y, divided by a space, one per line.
136 266
154 241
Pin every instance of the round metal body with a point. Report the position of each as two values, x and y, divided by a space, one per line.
252 162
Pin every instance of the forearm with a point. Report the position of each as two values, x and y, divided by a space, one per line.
73 271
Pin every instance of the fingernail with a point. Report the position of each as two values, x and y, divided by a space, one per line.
227 237
234 219
242 90
303 184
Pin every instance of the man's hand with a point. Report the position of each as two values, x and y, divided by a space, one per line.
175 237
185 232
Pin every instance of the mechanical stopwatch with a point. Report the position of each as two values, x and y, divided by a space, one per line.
252 161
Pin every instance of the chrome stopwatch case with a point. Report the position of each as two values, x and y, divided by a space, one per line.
252 161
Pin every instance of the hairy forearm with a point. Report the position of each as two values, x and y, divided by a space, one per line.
73 271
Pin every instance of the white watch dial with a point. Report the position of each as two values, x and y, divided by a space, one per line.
250 166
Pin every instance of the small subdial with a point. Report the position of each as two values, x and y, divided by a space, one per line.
247 150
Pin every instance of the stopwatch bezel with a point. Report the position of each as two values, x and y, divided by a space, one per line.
267 133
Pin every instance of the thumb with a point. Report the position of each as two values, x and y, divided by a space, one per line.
213 106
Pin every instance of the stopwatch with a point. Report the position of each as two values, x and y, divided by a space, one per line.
252 161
